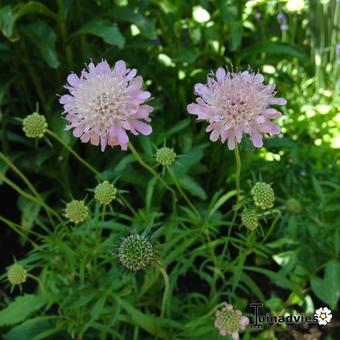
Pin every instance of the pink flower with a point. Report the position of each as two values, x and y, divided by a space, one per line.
235 104
229 321
103 104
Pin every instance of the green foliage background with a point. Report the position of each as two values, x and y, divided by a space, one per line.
85 294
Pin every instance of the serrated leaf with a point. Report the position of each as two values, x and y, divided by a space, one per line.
104 29
18 310
43 36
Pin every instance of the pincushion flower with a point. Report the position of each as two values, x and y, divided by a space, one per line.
235 104
103 104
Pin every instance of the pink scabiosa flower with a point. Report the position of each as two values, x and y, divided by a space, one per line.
235 104
103 104
229 321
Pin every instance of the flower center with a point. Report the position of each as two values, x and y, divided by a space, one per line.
323 316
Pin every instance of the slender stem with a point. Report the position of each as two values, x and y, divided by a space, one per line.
30 197
193 208
18 229
166 287
70 150
238 194
24 179
151 170
126 203
271 228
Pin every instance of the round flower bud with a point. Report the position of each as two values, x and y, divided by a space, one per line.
263 195
230 321
135 252
293 206
105 192
76 211
249 218
16 274
34 125
165 156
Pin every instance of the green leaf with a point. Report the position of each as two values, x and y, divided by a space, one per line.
18 310
271 47
7 20
43 36
189 184
96 311
185 162
104 29
146 25
328 288
147 322
30 329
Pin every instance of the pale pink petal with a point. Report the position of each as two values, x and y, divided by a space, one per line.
256 139
220 74
235 336
73 80
120 68
141 127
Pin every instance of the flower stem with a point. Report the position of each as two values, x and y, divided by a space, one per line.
166 288
238 194
24 179
151 170
193 208
70 150
30 197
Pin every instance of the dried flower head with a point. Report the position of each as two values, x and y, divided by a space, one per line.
165 156
249 218
135 252
34 125
263 195
235 104
293 206
104 104
76 211
16 274
105 192
230 321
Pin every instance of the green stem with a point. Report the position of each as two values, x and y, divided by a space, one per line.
193 208
271 228
30 197
238 194
151 170
18 229
24 179
166 288
70 150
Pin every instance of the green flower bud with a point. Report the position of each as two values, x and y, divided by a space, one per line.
105 192
263 195
293 206
17 274
76 211
165 156
34 125
249 218
135 252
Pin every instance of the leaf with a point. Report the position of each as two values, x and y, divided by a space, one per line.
9 16
96 311
146 25
18 310
221 201
30 329
43 36
236 30
185 162
7 20
104 29
272 47
192 186
327 289
146 322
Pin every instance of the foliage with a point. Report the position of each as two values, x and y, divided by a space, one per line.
190 210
